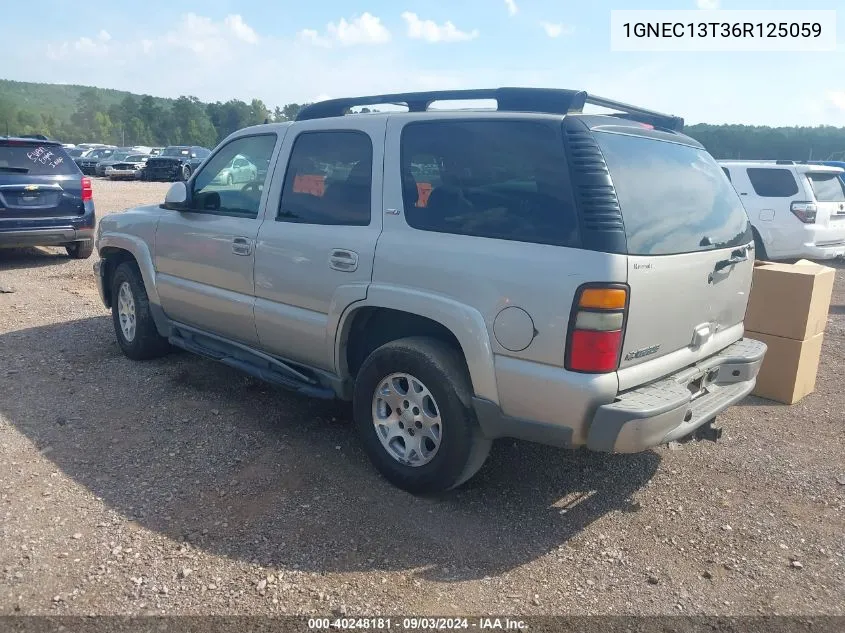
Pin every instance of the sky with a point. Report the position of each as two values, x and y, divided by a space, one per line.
286 51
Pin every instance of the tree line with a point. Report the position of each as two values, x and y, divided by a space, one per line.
144 120
98 115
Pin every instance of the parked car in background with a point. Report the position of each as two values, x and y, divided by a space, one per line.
797 210
88 161
45 200
76 152
119 155
239 170
560 283
176 162
156 151
129 168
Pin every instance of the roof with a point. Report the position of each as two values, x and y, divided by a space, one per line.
536 100
27 140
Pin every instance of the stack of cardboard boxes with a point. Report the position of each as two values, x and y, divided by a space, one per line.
787 310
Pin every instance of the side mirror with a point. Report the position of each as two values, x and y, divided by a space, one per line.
177 196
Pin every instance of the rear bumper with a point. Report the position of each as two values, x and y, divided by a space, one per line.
53 236
568 413
668 410
823 251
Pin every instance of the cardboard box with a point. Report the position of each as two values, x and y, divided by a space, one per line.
789 367
790 300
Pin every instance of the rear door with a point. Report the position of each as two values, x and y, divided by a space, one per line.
317 243
37 180
689 255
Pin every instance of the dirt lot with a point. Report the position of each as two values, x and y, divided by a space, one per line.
181 486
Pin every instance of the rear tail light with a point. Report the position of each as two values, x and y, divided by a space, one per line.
804 211
596 329
87 190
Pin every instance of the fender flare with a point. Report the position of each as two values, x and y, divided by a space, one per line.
466 323
136 247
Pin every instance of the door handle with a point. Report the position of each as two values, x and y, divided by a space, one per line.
242 246
343 260
738 256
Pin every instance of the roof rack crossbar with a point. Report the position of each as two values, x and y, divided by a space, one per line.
541 100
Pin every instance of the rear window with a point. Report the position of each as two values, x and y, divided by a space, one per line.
497 179
827 186
772 183
38 160
674 198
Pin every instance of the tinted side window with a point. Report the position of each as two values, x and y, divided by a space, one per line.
329 179
498 179
772 183
727 172
214 189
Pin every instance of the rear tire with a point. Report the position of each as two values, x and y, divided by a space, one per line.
80 250
133 322
433 378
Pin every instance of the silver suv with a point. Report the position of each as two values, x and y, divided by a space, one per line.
530 272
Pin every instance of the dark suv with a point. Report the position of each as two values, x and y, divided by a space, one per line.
45 200
176 162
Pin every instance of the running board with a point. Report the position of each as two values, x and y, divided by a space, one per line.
249 361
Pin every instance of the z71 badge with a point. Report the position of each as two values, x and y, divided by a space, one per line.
639 353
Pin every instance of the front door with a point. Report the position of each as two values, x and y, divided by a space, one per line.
316 247
205 256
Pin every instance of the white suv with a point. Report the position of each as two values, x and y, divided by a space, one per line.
796 210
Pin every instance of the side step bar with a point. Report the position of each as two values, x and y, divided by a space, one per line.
261 366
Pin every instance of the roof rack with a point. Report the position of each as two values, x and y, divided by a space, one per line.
541 100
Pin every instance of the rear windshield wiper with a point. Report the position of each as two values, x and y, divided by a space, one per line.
15 170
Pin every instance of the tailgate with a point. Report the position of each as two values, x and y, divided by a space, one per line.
683 302
829 191
690 254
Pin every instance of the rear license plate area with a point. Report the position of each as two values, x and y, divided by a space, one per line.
697 387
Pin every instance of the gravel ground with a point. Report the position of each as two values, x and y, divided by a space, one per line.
179 486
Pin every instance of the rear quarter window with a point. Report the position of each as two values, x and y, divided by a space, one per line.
772 183
674 198
505 180
37 160
827 187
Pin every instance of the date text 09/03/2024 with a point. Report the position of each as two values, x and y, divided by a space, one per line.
417 624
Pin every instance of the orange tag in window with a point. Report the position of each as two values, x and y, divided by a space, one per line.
423 192
314 184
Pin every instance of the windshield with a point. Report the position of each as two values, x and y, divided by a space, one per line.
118 155
176 151
136 158
76 152
39 160
674 198
827 186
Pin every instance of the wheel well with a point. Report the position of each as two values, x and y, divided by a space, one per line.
759 241
112 258
373 327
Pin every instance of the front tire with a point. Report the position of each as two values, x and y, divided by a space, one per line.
186 172
133 322
413 414
80 250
